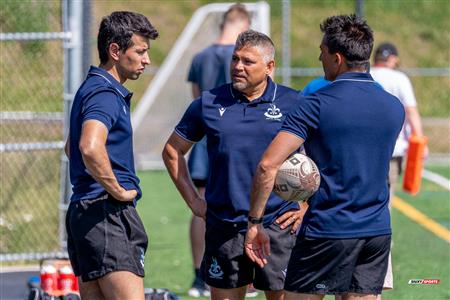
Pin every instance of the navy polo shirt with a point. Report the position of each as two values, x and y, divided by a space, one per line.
350 128
101 97
238 132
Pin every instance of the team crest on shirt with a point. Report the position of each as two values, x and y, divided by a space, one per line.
273 113
215 271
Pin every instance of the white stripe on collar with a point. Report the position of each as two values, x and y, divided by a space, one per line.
274 92
358 80
106 78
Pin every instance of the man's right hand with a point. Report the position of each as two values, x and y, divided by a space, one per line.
126 196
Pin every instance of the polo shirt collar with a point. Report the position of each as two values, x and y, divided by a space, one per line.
96 71
267 96
355 76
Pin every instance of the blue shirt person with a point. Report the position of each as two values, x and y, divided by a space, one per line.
349 129
109 259
239 120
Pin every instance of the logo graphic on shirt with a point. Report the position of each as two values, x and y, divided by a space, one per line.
222 111
284 272
215 271
273 113
142 257
320 286
124 109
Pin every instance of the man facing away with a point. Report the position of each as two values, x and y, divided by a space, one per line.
349 129
108 259
210 68
239 119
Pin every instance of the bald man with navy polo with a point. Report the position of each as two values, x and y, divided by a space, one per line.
239 120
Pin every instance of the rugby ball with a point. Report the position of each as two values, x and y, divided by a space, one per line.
297 179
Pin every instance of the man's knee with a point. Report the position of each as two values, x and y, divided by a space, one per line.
90 290
122 285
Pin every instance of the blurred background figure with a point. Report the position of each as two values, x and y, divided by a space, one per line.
210 68
386 60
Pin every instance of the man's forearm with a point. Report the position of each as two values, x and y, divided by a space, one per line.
178 171
413 118
261 188
99 166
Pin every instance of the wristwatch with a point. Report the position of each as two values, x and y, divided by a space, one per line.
254 220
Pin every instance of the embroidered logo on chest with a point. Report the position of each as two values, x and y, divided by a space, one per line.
273 113
222 111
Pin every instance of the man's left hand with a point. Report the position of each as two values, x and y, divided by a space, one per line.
292 218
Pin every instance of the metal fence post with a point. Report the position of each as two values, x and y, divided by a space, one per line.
73 75
286 69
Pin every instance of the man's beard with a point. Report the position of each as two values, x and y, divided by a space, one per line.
240 86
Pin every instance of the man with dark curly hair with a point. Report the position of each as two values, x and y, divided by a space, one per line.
106 239
349 129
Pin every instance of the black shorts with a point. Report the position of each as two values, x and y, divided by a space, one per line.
105 235
225 264
338 266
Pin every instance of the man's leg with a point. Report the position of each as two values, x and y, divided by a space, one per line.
296 296
122 285
228 294
274 295
90 290
353 296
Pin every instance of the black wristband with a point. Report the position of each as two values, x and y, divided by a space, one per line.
254 220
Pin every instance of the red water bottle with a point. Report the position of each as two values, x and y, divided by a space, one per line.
49 278
66 280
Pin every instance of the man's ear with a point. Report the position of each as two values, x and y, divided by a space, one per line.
339 59
270 67
114 51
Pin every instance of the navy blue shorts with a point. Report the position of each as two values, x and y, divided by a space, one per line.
105 235
225 264
338 266
198 163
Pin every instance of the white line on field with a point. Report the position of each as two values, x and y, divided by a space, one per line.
436 178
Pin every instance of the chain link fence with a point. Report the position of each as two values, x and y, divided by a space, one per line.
32 113
31 89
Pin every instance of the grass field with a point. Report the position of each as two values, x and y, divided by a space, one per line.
417 253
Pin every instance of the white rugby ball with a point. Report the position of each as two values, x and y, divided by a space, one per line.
297 179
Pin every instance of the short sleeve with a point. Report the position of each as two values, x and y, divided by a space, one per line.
407 93
304 118
191 126
102 106
193 70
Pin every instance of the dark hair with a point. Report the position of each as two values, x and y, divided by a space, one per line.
349 36
254 38
385 50
236 12
118 28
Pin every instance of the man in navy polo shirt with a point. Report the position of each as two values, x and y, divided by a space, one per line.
108 259
210 68
349 129
239 119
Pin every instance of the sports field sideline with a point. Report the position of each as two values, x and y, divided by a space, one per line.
418 252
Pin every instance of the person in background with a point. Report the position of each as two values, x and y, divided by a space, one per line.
386 61
210 68
349 129
108 259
